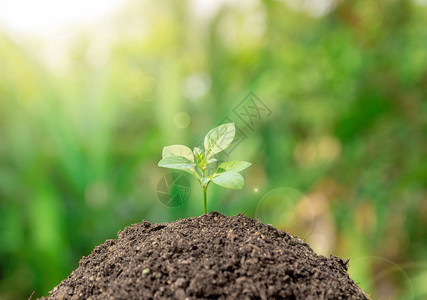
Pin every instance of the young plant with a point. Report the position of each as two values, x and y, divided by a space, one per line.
199 163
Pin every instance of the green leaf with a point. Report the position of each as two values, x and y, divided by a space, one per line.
176 162
178 150
198 154
210 169
192 171
235 166
229 180
219 138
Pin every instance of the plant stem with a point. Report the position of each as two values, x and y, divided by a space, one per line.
205 200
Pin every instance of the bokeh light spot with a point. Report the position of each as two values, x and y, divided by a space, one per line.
181 120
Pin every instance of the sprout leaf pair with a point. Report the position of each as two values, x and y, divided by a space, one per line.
198 162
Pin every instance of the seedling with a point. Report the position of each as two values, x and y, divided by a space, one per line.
199 163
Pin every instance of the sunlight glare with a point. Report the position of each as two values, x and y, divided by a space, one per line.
49 17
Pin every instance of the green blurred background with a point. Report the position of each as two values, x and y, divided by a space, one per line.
341 161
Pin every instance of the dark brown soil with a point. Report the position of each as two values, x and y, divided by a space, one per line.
208 257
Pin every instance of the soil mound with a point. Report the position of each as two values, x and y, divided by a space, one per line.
207 257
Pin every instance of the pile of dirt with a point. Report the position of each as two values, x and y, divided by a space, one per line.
208 257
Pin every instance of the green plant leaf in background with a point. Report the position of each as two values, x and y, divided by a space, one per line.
184 151
229 180
176 162
218 139
178 150
235 166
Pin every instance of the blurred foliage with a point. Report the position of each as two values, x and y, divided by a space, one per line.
341 161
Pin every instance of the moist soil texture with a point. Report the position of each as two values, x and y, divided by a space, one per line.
208 257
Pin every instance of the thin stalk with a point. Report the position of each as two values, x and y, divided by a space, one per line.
205 200
205 196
